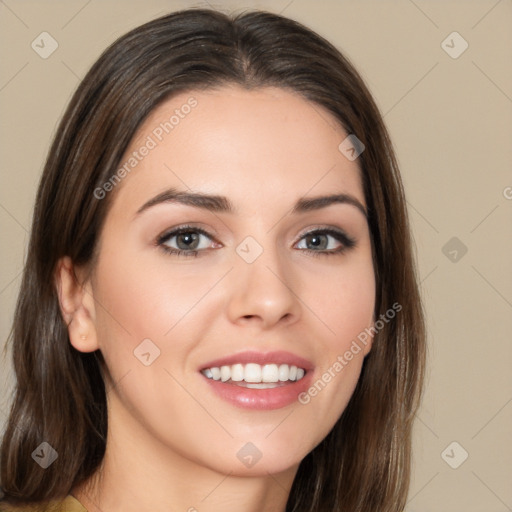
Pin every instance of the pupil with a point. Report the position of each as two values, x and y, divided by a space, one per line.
189 240
316 241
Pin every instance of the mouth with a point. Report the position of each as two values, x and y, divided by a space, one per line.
255 380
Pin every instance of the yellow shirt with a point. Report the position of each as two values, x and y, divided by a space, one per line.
69 504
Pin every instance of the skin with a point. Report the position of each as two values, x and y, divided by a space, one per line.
171 440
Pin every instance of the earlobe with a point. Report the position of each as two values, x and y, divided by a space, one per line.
82 331
77 307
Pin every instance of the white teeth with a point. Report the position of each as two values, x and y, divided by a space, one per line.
225 373
255 374
252 372
270 373
237 372
284 372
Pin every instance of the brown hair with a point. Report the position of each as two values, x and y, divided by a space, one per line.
364 462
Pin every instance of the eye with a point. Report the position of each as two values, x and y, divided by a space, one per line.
185 241
326 241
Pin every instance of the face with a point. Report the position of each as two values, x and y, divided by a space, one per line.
227 294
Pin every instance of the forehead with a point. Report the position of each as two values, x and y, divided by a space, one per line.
243 143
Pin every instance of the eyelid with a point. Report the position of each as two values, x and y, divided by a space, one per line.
161 241
183 228
330 230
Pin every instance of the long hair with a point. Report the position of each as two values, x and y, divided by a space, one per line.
364 462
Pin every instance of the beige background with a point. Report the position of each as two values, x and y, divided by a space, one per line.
451 122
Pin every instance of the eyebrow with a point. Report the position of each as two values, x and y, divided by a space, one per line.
222 204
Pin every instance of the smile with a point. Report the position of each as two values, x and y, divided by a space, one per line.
256 376
258 381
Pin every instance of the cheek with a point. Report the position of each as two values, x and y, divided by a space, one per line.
142 299
346 308
345 302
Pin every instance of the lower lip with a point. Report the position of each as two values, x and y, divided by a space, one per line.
260 399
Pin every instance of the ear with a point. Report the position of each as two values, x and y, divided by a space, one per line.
77 306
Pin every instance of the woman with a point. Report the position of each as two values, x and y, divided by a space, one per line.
219 308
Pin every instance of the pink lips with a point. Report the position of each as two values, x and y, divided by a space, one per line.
260 399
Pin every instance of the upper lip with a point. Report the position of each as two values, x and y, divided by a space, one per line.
262 358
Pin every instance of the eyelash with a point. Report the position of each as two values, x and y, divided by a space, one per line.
346 241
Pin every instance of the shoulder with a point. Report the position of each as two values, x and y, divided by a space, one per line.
69 504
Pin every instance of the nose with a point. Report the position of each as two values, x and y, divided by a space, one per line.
263 292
